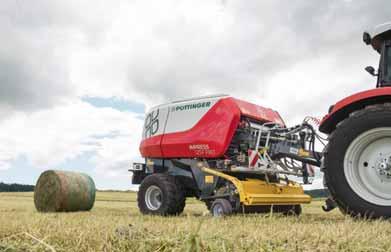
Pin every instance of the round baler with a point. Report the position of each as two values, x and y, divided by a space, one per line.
204 148
238 157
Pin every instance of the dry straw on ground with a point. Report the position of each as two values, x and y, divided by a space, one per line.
114 224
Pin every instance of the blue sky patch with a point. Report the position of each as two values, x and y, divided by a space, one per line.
115 103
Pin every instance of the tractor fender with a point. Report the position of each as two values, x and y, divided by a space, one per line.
343 108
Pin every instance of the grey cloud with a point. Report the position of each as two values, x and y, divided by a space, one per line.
238 51
266 38
33 70
28 82
36 44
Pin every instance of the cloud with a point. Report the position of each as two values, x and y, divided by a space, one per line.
38 41
49 137
175 49
155 51
34 71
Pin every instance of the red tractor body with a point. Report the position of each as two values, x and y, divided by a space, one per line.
343 108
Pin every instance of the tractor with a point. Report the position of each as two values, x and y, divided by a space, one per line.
239 157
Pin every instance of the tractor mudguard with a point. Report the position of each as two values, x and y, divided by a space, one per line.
343 108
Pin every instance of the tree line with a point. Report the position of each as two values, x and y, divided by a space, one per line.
15 187
317 193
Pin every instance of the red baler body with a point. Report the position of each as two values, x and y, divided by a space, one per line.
212 132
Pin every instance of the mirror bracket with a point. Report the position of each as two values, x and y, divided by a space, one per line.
371 71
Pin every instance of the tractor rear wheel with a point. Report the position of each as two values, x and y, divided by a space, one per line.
357 163
161 194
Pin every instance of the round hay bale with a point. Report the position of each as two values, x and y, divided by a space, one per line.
64 191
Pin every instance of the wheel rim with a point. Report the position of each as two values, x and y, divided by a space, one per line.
367 166
153 197
218 210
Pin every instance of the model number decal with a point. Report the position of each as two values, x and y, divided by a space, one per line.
199 147
201 150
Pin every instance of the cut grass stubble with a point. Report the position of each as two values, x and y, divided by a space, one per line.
115 224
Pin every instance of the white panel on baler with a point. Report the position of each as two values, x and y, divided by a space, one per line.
185 115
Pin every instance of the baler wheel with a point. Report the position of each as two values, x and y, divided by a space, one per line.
357 163
219 192
221 207
161 194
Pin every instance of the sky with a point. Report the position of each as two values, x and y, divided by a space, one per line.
77 76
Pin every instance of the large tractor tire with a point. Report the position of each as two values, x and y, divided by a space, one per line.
161 194
357 163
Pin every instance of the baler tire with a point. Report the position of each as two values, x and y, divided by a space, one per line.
360 122
221 207
219 192
181 199
172 198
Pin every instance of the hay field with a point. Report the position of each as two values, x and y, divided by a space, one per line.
115 224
